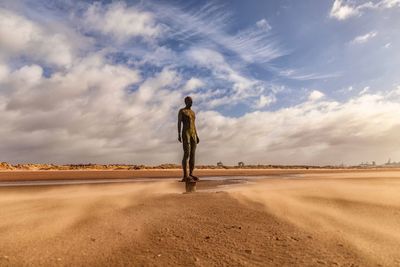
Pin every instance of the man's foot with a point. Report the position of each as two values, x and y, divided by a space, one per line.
189 179
195 178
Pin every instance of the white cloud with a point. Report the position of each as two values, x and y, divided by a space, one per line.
264 101
104 110
87 115
263 24
252 45
322 132
149 89
207 56
155 55
364 90
242 87
364 38
22 37
90 80
192 84
121 21
27 76
3 72
342 11
391 3
388 4
302 76
387 45
315 95
395 94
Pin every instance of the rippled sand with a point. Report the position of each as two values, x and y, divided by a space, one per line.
333 219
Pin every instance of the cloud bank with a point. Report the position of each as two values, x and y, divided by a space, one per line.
94 88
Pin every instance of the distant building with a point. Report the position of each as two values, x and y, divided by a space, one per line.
220 164
391 163
365 164
241 164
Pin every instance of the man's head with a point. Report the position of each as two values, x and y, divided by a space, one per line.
188 101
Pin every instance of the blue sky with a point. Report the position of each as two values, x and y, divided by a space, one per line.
280 82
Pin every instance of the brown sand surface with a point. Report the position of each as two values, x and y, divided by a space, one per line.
314 220
23 175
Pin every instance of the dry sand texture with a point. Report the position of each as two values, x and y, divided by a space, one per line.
49 224
360 209
313 221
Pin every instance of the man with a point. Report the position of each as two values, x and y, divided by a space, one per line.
189 138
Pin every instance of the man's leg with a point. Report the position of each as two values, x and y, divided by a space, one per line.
186 154
192 156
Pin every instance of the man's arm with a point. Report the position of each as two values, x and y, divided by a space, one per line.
197 136
180 126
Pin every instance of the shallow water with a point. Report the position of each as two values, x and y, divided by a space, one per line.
229 180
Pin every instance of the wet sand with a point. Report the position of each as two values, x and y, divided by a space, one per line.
22 175
311 219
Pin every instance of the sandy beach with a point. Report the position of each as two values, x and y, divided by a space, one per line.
34 175
199 133
291 218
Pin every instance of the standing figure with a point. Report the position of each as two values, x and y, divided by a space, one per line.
187 135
